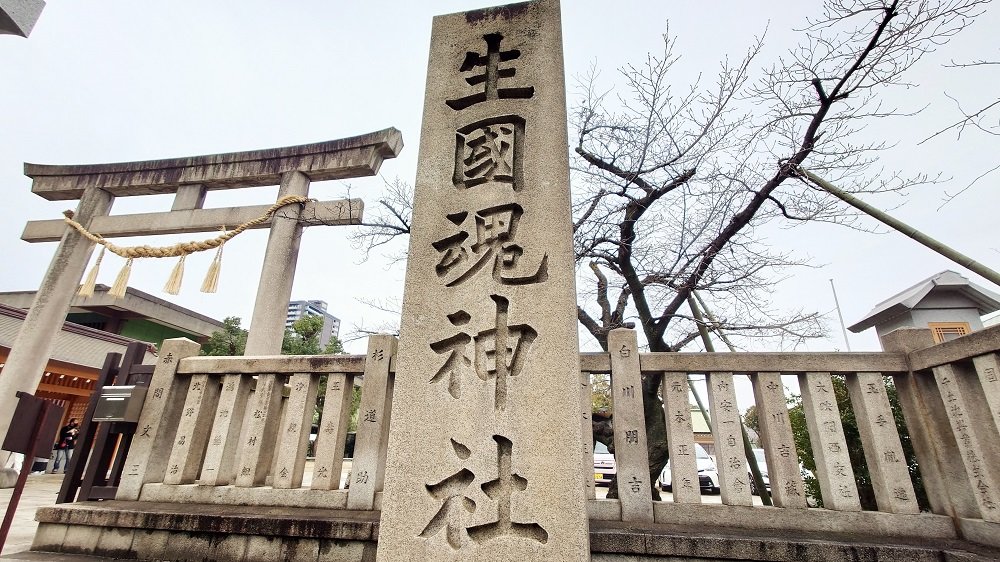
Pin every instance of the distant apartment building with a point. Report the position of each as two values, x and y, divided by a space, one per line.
300 309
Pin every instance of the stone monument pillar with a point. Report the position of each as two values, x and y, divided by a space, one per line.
484 450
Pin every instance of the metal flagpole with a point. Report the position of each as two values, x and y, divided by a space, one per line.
839 315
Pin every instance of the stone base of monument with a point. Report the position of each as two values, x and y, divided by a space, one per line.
623 542
175 531
8 476
184 531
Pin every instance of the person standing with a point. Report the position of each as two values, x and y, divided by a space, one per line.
65 445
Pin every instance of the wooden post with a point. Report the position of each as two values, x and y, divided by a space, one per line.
45 422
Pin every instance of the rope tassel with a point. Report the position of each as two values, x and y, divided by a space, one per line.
173 285
181 249
211 282
121 282
87 289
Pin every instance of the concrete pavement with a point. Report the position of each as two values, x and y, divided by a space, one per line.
40 490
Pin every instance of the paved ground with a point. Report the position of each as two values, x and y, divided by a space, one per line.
40 490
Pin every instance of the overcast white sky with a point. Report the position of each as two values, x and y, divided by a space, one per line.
112 81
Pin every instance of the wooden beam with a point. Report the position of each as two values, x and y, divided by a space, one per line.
56 389
315 213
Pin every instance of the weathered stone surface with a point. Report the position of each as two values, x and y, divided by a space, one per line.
18 17
630 427
263 549
872 524
342 551
486 405
187 545
680 438
190 517
587 428
988 370
150 544
787 488
8 477
682 531
232 495
679 543
190 196
115 542
49 537
293 434
228 548
375 411
941 468
883 450
731 459
284 364
978 442
984 341
332 436
980 531
33 346
833 463
604 510
328 213
191 439
154 436
764 362
306 550
337 159
81 539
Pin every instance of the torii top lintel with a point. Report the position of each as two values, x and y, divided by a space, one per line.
351 157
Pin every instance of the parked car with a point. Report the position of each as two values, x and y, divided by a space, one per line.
708 473
604 464
762 464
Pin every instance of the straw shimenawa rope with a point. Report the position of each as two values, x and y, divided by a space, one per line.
181 249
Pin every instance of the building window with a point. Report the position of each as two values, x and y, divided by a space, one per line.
947 331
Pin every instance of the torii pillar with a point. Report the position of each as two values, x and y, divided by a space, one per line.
97 185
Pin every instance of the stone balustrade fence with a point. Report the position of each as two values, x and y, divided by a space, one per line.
203 416
206 417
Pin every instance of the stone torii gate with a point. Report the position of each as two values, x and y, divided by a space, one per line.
96 186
